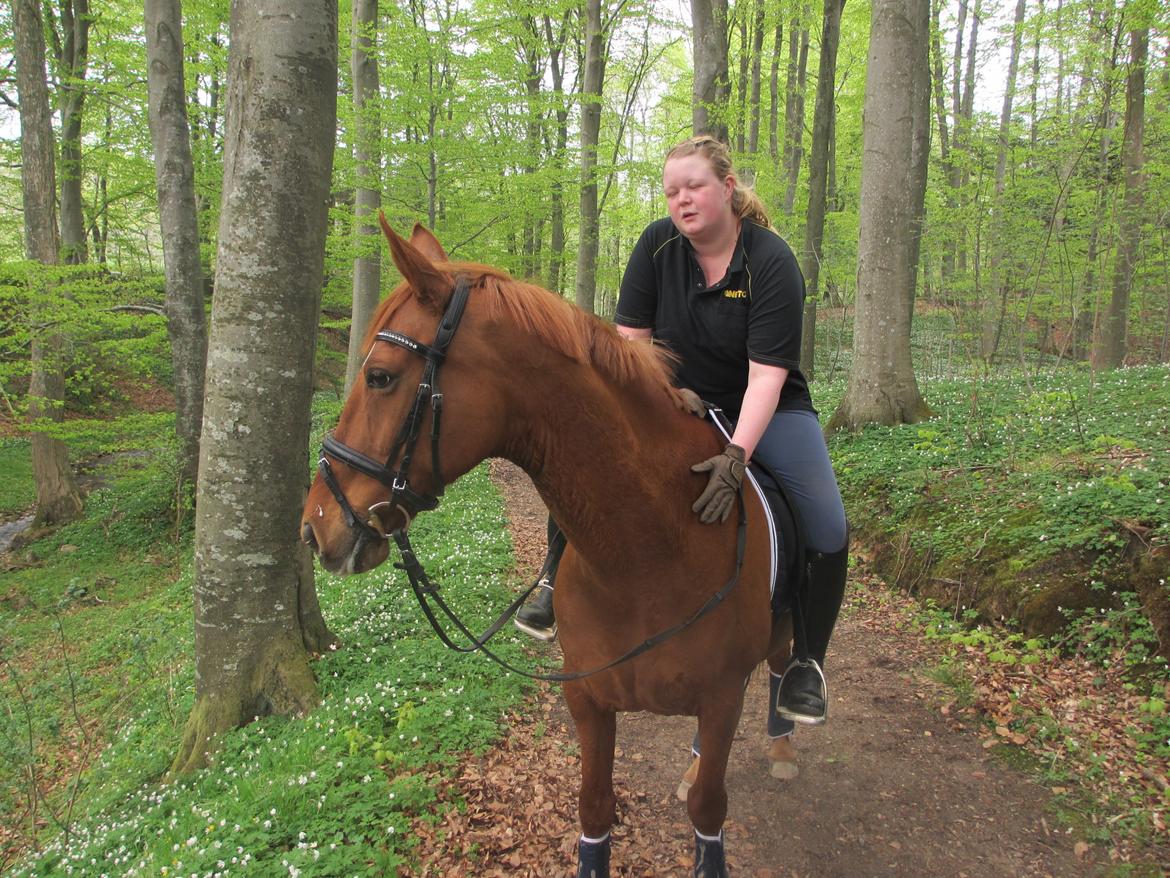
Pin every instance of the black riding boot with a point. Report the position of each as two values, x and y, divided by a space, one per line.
536 618
803 697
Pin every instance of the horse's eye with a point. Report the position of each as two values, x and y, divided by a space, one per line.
379 379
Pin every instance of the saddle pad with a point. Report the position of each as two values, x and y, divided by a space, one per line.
773 546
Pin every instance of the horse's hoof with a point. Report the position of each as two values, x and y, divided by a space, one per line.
688 780
782 755
593 858
710 861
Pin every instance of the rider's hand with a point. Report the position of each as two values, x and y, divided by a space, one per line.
688 401
726 469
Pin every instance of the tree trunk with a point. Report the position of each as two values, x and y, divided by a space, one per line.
882 388
995 300
711 86
591 85
58 500
774 94
256 612
1033 128
1109 352
962 135
533 219
794 107
556 44
367 263
742 90
174 175
72 62
753 145
1084 318
818 169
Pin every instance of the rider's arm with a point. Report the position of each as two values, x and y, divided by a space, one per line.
634 333
759 404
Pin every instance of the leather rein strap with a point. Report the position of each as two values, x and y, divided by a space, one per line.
410 503
423 588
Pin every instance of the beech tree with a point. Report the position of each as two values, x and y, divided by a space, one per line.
818 174
71 51
882 387
1111 343
995 298
58 499
174 175
591 86
367 262
257 618
796 76
711 84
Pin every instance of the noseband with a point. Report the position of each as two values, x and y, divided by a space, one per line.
402 497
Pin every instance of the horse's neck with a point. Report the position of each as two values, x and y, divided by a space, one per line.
611 462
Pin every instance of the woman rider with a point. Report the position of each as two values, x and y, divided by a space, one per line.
717 285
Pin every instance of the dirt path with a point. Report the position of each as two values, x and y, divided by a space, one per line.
890 786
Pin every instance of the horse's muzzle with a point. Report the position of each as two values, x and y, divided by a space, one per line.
357 552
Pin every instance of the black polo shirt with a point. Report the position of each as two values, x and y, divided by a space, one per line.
753 313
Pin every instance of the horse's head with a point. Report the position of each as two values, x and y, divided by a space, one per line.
407 426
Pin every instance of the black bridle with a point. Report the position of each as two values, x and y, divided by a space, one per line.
410 503
402 497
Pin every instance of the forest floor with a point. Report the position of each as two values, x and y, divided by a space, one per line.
901 781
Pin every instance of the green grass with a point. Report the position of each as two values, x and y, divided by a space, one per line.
330 794
17 491
1011 477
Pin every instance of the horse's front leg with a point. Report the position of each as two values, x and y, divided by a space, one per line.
707 799
596 804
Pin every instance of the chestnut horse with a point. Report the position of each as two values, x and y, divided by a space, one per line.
595 423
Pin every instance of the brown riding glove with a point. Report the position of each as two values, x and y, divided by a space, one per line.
726 469
688 401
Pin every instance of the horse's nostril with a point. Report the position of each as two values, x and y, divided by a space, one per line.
307 535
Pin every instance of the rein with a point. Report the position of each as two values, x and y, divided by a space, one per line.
410 503
423 588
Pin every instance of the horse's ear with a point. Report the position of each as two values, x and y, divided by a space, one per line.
425 241
432 285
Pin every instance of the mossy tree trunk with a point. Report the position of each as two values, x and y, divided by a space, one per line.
257 620
58 499
71 49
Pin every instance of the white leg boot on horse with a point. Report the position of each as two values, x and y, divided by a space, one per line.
596 804
707 797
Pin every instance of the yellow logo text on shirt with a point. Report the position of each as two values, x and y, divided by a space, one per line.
734 294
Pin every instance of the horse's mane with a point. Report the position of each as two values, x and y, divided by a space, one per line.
570 331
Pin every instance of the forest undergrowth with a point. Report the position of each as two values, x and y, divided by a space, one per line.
1016 484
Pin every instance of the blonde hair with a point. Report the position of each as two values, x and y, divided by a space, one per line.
745 204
